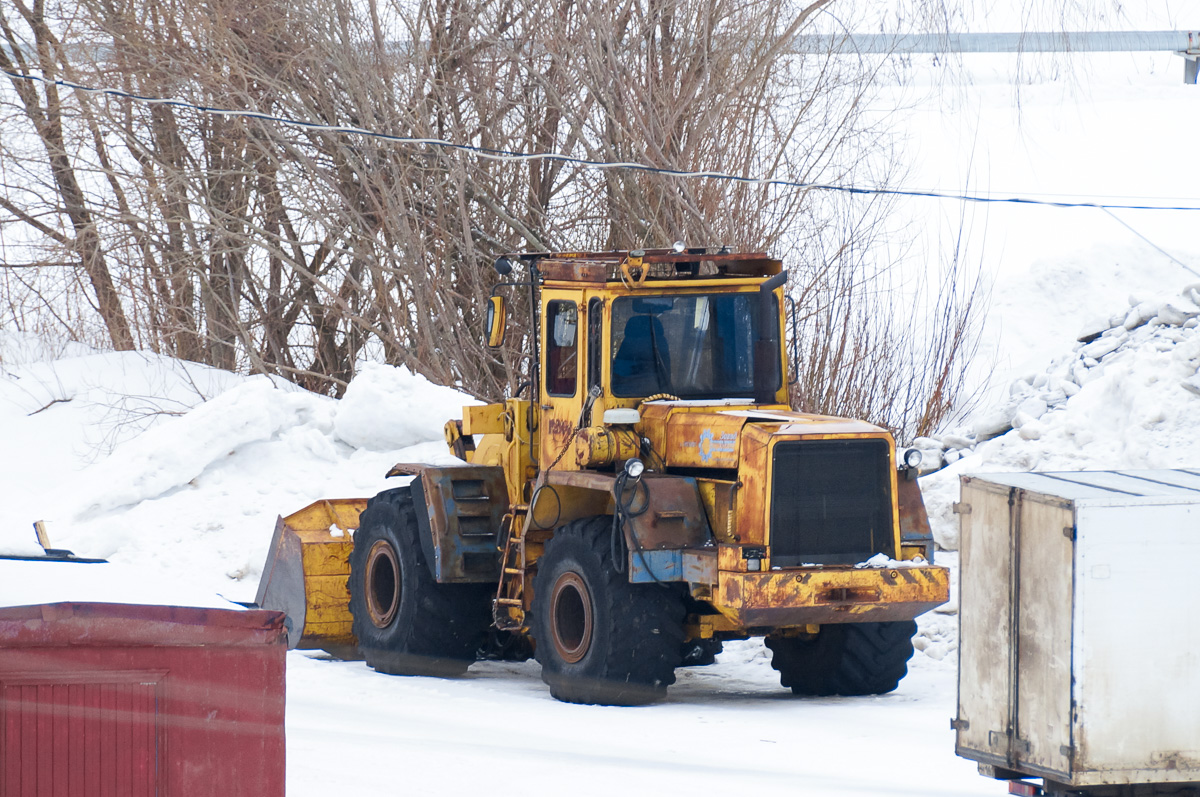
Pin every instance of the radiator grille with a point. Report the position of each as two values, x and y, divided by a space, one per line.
830 502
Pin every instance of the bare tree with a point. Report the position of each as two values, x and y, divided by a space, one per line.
249 245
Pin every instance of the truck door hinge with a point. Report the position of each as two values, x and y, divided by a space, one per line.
959 725
961 508
1069 533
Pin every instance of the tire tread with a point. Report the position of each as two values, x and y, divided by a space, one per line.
845 659
440 633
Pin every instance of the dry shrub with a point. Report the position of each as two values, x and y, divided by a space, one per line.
254 246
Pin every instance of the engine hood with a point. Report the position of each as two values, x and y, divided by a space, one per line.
700 435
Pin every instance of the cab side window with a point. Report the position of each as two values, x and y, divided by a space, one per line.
595 319
562 348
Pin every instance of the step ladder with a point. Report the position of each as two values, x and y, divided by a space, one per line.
508 609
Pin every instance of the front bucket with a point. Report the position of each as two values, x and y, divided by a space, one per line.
306 571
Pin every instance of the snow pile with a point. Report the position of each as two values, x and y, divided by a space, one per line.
170 455
35 583
386 408
1127 396
180 469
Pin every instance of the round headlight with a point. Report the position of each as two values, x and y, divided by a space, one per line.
634 468
912 457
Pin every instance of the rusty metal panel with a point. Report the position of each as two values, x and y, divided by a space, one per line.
720 502
653 425
693 566
573 270
666 512
702 440
465 508
557 503
914 520
730 559
755 489
781 598
588 480
985 646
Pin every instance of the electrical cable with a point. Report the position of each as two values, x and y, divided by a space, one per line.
492 153
1164 252
622 514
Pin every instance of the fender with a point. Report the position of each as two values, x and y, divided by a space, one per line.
667 531
459 513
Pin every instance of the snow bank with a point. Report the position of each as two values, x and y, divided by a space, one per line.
1127 396
36 583
66 407
175 452
386 408
181 470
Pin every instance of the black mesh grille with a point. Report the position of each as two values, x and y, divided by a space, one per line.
830 502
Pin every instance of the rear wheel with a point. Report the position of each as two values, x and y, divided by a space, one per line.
845 658
407 623
599 638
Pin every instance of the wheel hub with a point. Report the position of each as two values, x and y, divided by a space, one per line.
571 617
382 583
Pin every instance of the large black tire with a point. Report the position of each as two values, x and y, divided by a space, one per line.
599 638
845 658
406 622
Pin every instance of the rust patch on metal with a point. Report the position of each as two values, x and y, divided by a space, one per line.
789 598
465 509
571 620
406 469
573 270
754 492
382 583
719 502
667 513
914 520
703 439
850 595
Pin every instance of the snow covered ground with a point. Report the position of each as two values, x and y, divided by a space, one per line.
176 472
184 506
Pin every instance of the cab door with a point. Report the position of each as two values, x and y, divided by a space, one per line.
562 374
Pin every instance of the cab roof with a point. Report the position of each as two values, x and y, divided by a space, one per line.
662 264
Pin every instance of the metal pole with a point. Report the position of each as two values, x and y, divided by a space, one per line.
1181 42
1178 41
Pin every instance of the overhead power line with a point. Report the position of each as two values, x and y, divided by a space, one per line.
491 153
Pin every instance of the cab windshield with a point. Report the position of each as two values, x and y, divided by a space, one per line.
691 346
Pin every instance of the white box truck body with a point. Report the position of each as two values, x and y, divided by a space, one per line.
1079 628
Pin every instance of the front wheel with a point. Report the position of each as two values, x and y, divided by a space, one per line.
406 622
599 638
845 659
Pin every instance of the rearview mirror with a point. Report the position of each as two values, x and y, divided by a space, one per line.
497 316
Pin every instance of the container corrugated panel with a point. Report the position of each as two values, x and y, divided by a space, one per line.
1079 640
114 699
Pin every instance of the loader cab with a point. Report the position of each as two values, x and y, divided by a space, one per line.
607 342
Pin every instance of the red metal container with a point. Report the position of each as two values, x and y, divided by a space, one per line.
117 700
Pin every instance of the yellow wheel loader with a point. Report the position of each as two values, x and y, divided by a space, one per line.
651 496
